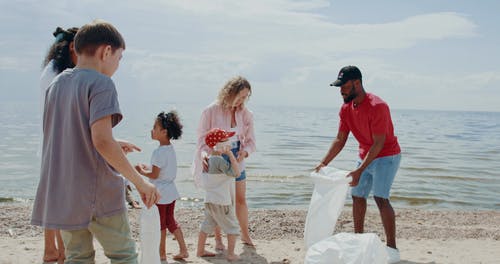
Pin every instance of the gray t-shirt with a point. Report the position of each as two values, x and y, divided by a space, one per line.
217 164
76 183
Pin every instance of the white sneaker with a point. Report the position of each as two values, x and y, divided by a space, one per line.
392 255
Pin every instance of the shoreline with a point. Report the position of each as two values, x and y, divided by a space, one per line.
435 236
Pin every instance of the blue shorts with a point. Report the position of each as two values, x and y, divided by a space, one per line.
242 176
235 148
379 175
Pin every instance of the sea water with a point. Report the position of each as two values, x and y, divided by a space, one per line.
450 160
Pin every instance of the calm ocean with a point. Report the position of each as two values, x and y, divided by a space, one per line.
451 160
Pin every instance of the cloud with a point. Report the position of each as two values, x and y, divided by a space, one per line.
441 90
286 57
233 30
299 27
401 34
289 50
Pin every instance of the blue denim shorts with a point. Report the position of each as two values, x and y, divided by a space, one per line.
235 148
378 176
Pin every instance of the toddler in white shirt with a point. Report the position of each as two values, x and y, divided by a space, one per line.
219 186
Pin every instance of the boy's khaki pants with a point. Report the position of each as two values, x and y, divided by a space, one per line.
113 233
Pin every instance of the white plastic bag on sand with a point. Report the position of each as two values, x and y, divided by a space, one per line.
150 235
327 201
348 248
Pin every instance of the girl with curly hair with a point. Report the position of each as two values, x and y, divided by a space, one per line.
162 173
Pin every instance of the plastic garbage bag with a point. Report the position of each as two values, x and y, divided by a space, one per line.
348 248
327 202
150 235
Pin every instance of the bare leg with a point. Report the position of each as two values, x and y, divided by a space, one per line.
219 245
163 244
183 251
358 213
60 245
231 242
242 211
50 252
200 250
388 220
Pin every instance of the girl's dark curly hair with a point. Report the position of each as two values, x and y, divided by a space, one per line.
171 122
59 51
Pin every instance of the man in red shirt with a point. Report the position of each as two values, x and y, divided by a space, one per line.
369 119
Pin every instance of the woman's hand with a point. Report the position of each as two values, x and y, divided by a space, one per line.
242 154
204 161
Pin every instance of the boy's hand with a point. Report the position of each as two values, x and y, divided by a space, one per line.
128 147
149 193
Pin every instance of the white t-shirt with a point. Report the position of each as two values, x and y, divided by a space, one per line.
218 182
164 158
234 138
234 143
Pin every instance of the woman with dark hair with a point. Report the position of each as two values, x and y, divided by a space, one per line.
60 56
62 52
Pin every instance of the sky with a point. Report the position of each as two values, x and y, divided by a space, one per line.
420 54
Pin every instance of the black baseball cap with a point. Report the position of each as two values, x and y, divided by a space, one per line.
346 74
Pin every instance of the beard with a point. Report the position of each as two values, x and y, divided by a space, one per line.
351 96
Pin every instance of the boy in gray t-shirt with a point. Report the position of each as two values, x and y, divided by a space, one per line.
219 186
79 192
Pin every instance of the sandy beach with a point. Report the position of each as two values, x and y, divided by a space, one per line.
424 236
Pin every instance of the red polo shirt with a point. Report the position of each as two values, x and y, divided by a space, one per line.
371 116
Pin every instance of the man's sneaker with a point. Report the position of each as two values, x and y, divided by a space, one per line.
392 255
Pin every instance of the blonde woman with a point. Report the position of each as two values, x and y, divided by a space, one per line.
228 112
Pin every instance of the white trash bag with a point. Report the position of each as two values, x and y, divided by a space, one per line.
330 190
150 235
348 248
327 202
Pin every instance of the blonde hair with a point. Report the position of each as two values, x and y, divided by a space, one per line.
231 89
